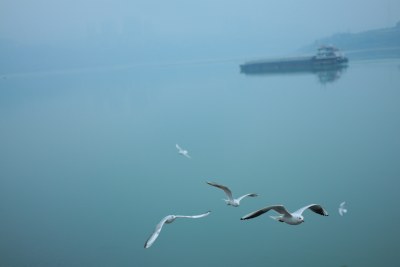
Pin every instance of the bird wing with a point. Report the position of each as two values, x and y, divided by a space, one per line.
227 191
247 195
178 147
315 208
278 208
194 216
341 211
187 155
156 232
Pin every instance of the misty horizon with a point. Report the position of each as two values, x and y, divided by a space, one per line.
45 35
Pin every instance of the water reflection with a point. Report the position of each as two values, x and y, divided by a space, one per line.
325 74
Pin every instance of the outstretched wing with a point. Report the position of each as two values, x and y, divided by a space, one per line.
342 204
194 216
278 208
178 147
315 208
226 189
247 195
156 232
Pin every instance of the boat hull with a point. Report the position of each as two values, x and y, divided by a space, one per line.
293 65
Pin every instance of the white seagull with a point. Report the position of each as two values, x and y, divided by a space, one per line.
231 201
169 219
182 151
342 209
287 217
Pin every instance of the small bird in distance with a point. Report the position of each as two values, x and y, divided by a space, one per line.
342 209
183 152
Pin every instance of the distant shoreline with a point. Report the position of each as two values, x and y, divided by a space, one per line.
371 44
374 53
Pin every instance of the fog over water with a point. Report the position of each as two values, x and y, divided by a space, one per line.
91 33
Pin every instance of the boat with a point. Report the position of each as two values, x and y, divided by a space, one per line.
327 57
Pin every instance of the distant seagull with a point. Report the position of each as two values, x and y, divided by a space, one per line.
342 209
182 151
169 219
287 217
231 201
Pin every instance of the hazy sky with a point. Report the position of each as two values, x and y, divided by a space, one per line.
283 22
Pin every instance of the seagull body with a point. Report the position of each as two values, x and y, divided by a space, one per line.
183 152
235 202
169 219
342 209
285 216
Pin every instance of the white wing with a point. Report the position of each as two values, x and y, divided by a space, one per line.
342 209
194 216
278 208
226 189
247 195
314 207
156 232
178 147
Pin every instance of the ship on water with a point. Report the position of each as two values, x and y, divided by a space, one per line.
326 58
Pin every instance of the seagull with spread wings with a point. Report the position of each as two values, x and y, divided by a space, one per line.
285 216
231 201
169 219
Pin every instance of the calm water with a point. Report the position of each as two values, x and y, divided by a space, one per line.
88 166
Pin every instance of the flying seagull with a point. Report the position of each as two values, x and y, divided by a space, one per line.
342 209
182 151
287 217
169 219
231 201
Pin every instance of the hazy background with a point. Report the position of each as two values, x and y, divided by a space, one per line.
67 34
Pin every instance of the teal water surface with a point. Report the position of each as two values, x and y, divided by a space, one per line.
88 166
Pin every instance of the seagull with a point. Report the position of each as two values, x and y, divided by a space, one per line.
182 151
169 219
342 209
287 217
231 201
